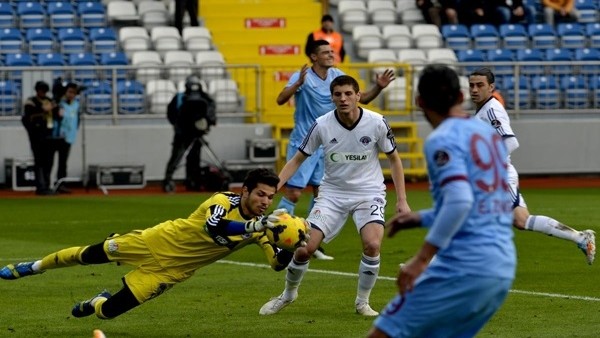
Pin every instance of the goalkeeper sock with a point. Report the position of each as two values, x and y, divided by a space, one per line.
97 304
287 205
552 227
62 258
368 270
293 278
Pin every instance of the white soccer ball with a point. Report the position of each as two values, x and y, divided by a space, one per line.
288 232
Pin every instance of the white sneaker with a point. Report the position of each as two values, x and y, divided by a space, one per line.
364 309
275 305
588 245
322 256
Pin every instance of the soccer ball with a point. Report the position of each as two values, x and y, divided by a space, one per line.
288 232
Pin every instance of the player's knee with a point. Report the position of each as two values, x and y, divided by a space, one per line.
303 254
94 254
371 248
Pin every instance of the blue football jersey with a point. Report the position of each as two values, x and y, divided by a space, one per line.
312 99
469 150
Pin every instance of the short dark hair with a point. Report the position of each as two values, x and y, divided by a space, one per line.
316 44
439 88
72 85
484 71
326 17
42 86
260 175
344 80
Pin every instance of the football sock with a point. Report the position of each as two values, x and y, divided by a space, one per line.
368 270
293 278
311 204
287 205
97 304
62 258
552 227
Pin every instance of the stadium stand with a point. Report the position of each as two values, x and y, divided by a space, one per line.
98 98
196 39
504 56
9 98
130 97
91 14
40 40
60 14
153 14
542 35
426 36
514 36
382 12
72 40
366 38
485 36
31 15
7 15
532 59
571 35
11 41
576 95
456 37
165 39
159 93
397 37
179 63
147 64
352 13
546 91
103 40
470 55
593 33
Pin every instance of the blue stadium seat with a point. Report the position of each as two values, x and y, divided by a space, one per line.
98 97
17 60
546 92
83 59
91 14
31 15
457 37
501 55
72 40
7 15
40 40
103 40
587 11
514 36
470 55
10 98
512 90
542 36
575 92
560 55
535 56
592 31
130 97
594 84
572 35
588 54
52 60
11 41
485 36
114 59
61 14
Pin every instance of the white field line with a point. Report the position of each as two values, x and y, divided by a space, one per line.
348 274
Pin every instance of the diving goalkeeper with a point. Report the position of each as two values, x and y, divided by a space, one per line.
172 251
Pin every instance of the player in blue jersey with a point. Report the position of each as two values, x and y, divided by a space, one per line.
470 233
310 89
489 110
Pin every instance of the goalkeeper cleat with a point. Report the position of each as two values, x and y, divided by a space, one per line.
275 305
588 245
364 309
320 254
17 271
86 308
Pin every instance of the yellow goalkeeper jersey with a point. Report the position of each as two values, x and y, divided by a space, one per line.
184 245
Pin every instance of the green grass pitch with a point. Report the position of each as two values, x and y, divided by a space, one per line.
555 294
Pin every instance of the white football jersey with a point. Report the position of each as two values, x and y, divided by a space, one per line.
494 114
351 154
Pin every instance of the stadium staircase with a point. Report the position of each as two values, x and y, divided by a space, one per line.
272 34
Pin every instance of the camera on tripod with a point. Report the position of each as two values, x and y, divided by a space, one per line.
197 111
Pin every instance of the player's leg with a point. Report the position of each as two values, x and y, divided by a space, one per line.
371 235
298 181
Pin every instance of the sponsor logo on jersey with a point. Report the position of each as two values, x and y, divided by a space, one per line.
348 157
365 140
379 200
316 215
113 247
333 141
441 157
496 123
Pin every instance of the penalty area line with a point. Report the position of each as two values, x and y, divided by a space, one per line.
348 274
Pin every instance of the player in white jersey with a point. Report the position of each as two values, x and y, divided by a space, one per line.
353 184
481 85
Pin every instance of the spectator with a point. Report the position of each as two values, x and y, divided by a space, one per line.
439 12
192 8
327 33
39 116
513 11
475 11
556 11
66 131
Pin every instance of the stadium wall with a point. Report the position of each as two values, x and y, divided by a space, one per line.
549 146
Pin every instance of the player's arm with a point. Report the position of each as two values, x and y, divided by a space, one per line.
511 143
278 258
457 203
398 178
292 87
290 168
381 81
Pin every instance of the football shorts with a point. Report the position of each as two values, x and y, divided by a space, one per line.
310 171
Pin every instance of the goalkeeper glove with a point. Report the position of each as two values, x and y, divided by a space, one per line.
264 222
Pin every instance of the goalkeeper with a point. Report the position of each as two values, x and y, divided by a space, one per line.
170 252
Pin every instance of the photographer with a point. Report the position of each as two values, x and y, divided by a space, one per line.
40 116
192 114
